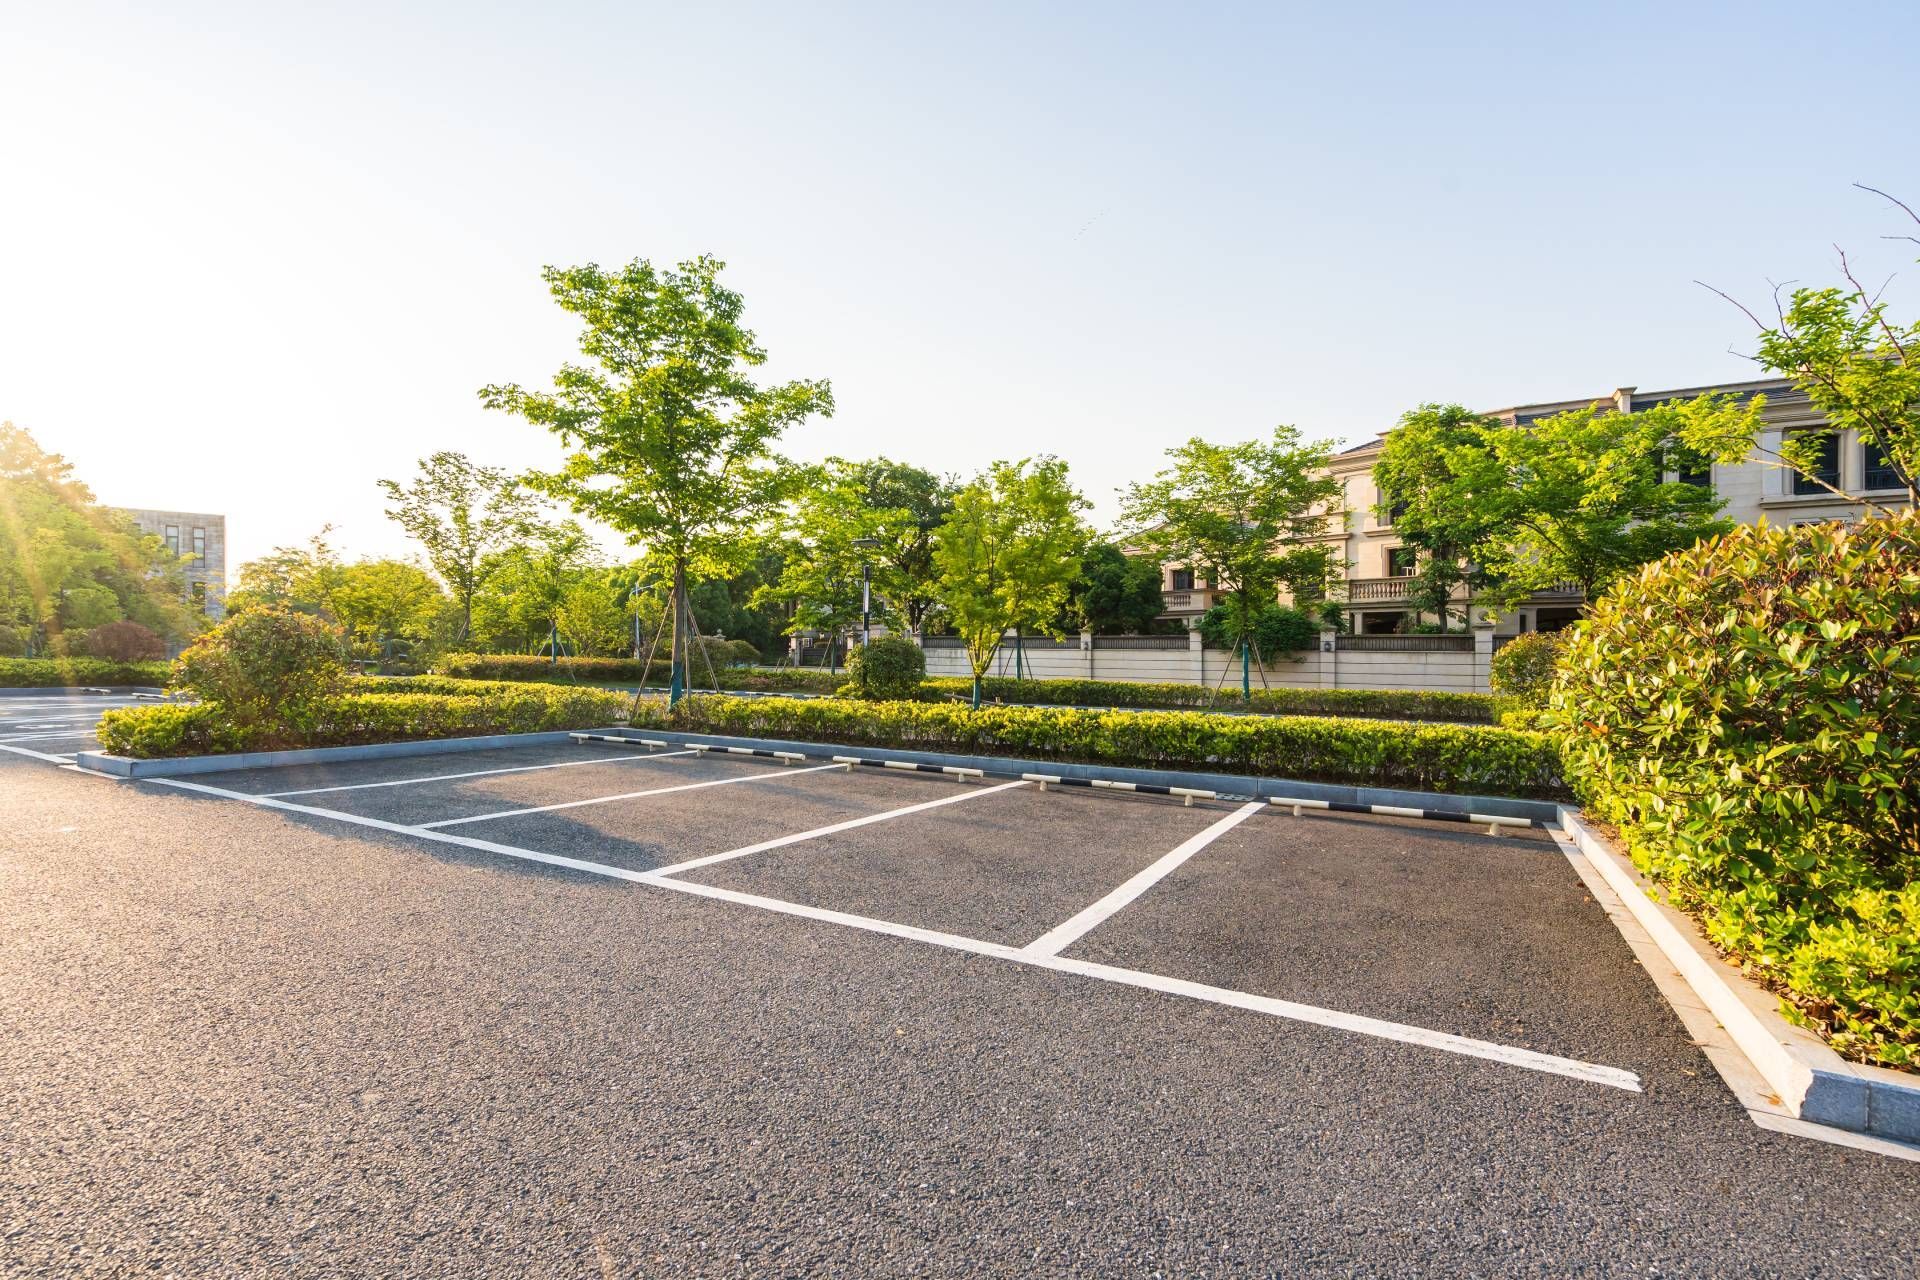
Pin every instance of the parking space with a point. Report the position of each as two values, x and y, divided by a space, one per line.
1006 869
52 726
1432 934
1414 922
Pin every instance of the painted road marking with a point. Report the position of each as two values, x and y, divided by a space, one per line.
476 773
1062 936
1526 1059
780 842
37 755
629 795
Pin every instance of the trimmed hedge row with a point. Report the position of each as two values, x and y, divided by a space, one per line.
523 666
358 718
58 673
1373 704
1474 759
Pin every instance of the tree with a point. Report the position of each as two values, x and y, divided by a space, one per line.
1442 546
1008 555
459 513
820 578
904 507
1856 366
1116 594
1580 496
380 601
1241 514
68 564
528 583
298 579
671 440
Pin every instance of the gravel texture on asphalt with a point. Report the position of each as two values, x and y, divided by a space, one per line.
247 1042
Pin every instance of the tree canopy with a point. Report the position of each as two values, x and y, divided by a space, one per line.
1241 515
1582 496
1008 555
459 513
671 440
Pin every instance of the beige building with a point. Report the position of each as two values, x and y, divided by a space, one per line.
201 538
1379 568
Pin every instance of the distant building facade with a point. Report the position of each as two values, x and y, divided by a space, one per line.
201 538
1379 568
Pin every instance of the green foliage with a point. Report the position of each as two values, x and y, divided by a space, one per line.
355 718
1523 668
379 602
461 514
1237 515
1117 594
1277 629
890 667
1580 496
1748 712
1382 704
1856 365
298 579
533 667
1008 554
124 641
670 440
74 673
529 583
67 564
266 671
1454 758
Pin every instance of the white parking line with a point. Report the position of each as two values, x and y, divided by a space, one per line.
782 841
769 776
1062 936
476 773
37 755
41 737
1527 1059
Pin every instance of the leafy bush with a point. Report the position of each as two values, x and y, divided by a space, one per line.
267 669
1277 630
354 718
1381 704
890 667
1523 667
1430 757
72 673
1748 712
521 666
13 641
125 641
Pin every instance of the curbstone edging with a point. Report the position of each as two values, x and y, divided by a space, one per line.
1812 1082
178 766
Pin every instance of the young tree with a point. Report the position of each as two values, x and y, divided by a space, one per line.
380 601
1116 594
527 585
1578 497
459 513
904 507
1008 554
1442 535
1858 368
1242 515
672 442
298 579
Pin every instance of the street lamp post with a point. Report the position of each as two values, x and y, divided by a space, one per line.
633 602
866 601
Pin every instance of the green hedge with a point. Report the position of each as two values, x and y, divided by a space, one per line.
1374 704
1427 757
1748 713
533 667
357 718
56 673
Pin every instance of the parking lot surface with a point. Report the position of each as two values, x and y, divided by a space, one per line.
587 1010
51 726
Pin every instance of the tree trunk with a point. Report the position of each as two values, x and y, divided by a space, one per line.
677 681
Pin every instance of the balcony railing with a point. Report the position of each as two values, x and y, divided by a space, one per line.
1197 600
1394 591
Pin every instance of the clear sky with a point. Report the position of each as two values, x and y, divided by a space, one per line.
254 256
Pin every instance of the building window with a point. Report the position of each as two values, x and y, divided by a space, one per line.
200 548
1183 580
1879 473
199 594
1703 478
1827 470
173 539
1400 562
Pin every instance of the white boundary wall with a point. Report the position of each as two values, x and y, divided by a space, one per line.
1454 669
